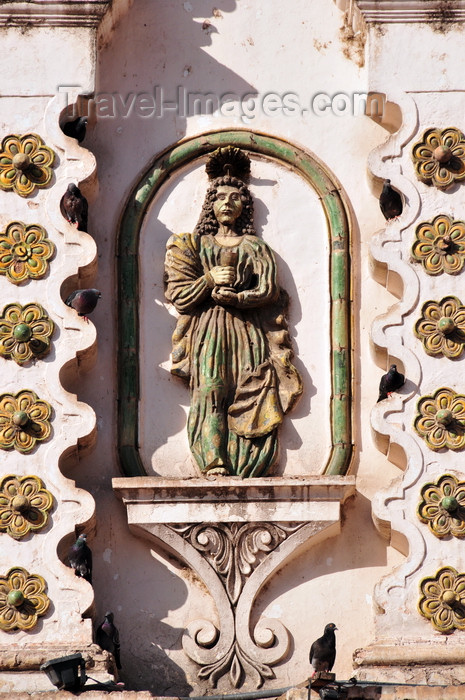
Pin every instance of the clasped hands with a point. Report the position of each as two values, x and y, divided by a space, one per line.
224 277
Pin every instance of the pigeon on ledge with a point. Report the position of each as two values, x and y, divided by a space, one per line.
323 650
80 558
83 301
74 207
76 128
391 381
107 637
390 202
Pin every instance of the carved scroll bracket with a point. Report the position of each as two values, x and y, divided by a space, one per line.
235 534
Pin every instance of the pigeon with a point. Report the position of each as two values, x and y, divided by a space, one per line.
323 650
76 128
74 207
80 558
390 202
83 301
391 381
107 637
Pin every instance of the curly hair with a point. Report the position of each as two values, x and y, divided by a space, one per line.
208 223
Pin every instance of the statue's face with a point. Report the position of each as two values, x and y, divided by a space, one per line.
227 205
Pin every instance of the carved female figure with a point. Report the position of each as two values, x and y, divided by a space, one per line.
231 340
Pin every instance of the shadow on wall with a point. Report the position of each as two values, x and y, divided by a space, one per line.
329 583
142 591
156 71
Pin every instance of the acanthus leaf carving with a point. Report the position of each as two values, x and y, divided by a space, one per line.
235 551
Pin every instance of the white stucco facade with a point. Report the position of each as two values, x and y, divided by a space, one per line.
153 76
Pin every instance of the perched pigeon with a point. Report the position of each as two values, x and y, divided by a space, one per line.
76 128
391 381
107 637
80 558
323 650
74 207
83 301
390 202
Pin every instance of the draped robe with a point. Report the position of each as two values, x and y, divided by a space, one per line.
236 358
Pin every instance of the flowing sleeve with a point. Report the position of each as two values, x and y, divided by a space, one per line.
264 288
186 283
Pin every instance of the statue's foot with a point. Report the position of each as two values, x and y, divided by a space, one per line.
216 471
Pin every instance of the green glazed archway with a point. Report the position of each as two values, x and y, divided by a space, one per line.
336 211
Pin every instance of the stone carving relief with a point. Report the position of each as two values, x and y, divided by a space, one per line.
439 157
24 252
440 245
24 505
234 551
22 599
25 164
231 339
261 333
441 327
440 420
443 506
24 421
443 600
25 332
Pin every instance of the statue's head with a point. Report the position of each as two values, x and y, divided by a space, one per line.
228 200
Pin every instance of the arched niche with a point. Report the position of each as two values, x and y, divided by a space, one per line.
163 170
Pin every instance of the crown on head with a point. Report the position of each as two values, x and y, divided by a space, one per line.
228 161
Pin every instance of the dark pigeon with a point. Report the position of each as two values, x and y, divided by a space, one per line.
391 381
80 558
107 637
323 650
74 207
76 128
83 301
390 202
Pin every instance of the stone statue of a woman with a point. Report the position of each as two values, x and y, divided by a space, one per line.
231 339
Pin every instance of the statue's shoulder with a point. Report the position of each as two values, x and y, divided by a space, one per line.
256 243
183 240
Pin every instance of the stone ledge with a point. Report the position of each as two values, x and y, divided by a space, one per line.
228 499
32 657
411 11
420 663
84 13
410 654
385 692
20 669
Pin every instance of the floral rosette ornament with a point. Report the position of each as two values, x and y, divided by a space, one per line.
24 420
24 332
439 158
24 252
443 506
441 327
441 420
440 245
24 505
25 163
22 599
443 600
